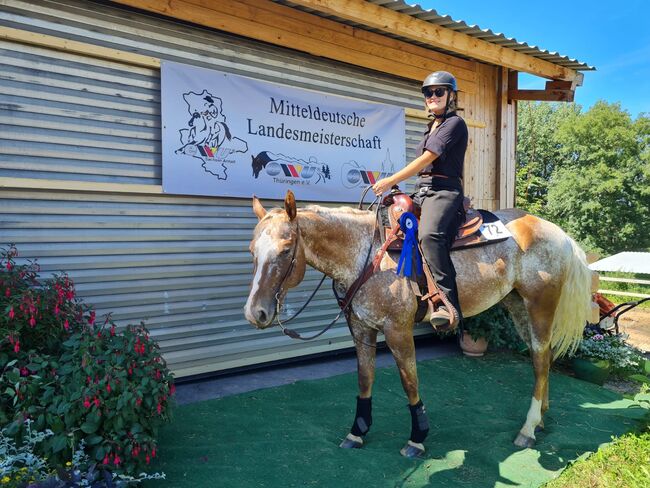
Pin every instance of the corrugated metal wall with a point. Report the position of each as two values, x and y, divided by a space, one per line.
180 263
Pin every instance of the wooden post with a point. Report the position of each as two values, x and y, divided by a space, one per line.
506 139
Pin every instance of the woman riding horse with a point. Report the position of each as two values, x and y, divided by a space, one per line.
540 274
439 167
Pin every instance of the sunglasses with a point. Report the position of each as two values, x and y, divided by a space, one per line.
429 92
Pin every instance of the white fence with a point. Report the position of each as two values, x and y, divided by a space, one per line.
625 293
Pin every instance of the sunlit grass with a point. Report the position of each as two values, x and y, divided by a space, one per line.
624 463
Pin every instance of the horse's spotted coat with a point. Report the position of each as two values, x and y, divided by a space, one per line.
540 272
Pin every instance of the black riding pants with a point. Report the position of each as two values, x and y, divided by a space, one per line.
442 214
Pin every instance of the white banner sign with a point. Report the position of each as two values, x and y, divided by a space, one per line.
227 135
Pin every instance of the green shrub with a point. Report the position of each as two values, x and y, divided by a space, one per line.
496 325
81 380
21 468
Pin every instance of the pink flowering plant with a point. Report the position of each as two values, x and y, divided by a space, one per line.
82 380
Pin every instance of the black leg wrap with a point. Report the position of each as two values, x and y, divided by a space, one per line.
419 422
363 417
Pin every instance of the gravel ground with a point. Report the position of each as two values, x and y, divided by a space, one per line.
636 323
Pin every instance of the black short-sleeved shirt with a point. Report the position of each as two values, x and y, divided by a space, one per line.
449 142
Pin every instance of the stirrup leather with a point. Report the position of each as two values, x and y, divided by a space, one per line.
436 298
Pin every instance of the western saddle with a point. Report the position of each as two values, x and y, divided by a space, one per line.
397 203
431 297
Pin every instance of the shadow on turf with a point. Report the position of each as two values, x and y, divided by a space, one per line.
455 464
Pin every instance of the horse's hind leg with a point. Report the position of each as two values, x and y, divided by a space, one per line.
365 342
400 341
539 401
538 337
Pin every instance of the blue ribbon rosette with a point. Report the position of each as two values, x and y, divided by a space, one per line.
409 225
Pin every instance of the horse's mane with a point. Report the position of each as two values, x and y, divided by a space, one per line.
338 213
334 210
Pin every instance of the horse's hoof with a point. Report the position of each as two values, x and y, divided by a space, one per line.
412 450
351 442
524 441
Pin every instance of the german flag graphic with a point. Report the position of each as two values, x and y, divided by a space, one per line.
370 177
208 151
292 170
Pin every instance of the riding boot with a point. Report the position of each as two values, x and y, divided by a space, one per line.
439 222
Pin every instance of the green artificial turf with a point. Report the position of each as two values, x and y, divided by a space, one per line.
288 436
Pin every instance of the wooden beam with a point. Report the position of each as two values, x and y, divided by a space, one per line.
542 95
506 141
76 47
513 80
73 185
272 14
269 22
60 44
394 22
560 85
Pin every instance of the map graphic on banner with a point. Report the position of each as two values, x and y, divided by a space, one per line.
227 135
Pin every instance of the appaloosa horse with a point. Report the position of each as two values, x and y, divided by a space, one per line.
540 274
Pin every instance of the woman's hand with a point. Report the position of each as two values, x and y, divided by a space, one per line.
382 186
419 163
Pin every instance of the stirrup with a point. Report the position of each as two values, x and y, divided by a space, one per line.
442 319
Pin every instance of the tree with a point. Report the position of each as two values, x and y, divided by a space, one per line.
588 172
602 207
538 151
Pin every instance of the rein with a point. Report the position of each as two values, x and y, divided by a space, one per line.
345 308
278 305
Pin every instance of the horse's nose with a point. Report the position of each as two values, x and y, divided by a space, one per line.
261 316
258 315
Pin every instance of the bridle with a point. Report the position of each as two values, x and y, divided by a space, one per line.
292 265
344 310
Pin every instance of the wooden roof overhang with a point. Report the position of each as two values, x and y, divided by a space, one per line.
313 33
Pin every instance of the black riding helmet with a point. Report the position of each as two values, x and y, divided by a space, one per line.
440 78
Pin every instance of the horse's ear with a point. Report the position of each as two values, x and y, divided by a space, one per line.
290 205
258 208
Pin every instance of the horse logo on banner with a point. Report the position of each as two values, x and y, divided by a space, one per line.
207 136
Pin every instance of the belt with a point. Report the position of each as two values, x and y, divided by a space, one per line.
427 174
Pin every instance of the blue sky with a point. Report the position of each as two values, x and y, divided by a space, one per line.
612 36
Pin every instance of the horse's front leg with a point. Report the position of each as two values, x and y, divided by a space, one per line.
400 342
365 343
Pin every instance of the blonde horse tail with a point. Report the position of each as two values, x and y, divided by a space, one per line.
574 306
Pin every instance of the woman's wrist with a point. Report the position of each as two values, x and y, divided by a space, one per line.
393 181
